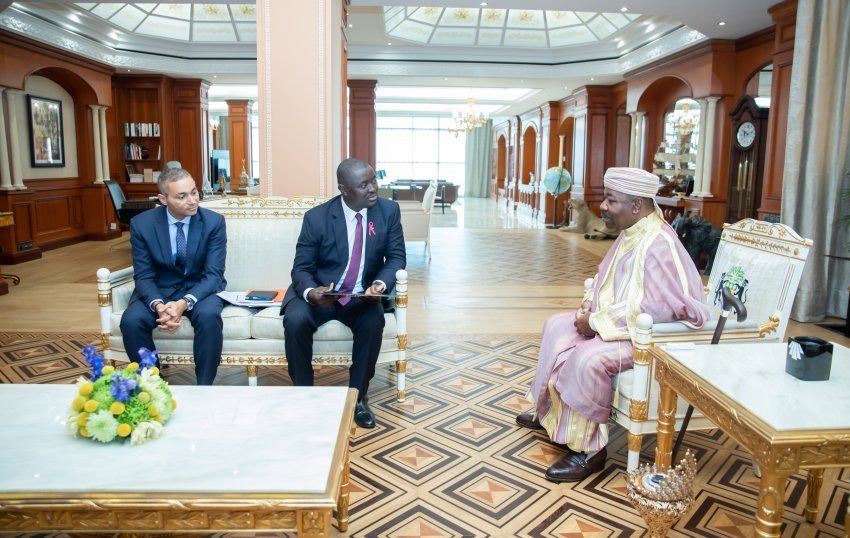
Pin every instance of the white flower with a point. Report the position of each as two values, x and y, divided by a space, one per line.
71 424
102 426
144 432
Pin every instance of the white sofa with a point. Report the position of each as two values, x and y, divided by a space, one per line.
261 238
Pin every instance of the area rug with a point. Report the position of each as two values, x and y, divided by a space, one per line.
449 461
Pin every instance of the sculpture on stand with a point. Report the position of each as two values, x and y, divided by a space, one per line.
244 180
556 181
662 495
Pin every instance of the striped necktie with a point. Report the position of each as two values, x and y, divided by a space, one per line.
354 265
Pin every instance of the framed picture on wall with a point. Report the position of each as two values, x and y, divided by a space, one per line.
47 143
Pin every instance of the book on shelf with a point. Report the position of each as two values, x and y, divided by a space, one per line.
137 178
148 173
141 129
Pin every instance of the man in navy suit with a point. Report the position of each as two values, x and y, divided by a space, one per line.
351 243
178 263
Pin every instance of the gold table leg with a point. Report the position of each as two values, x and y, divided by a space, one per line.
342 501
771 503
666 425
812 494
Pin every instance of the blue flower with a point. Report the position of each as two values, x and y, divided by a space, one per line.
122 387
95 362
147 357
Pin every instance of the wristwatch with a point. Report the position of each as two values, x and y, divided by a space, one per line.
190 303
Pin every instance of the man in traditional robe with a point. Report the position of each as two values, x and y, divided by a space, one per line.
647 270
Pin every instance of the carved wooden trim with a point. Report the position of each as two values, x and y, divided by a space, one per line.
638 410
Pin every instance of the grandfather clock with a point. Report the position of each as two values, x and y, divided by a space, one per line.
746 160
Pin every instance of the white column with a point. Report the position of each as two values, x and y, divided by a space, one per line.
707 168
640 141
5 174
698 173
104 149
15 144
95 128
632 137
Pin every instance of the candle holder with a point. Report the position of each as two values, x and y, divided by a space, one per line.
662 495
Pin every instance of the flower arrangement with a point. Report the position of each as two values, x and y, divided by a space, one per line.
131 402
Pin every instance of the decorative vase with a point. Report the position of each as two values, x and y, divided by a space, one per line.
662 495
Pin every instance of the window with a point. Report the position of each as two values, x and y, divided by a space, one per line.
420 147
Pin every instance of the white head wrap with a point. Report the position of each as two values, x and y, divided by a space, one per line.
632 181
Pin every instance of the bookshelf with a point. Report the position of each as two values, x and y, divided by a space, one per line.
142 112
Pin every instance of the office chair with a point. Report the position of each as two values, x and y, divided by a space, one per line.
172 164
120 204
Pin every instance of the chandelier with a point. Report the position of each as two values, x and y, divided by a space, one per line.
467 119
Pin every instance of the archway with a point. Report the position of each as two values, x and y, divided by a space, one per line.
656 101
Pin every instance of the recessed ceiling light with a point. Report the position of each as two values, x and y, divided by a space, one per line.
128 70
389 42
483 3
624 9
591 78
215 76
721 23
445 78
350 25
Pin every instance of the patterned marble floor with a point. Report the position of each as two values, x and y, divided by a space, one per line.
449 461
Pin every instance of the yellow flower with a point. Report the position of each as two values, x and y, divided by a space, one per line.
81 419
117 408
108 370
173 404
153 410
154 370
124 430
91 406
78 403
133 366
144 397
86 389
84 432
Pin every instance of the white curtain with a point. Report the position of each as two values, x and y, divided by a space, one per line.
479 161
817 159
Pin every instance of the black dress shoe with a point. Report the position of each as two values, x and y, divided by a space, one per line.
528 420
363 415
576 466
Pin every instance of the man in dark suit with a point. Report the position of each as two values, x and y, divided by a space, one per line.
351 243
178 262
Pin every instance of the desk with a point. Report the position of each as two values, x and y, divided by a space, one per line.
786 424
7 219
230 459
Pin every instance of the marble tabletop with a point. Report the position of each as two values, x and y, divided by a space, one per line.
276 440
753 374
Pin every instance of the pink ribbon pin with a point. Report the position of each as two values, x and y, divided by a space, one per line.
372 228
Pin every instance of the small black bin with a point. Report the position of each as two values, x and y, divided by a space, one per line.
808 358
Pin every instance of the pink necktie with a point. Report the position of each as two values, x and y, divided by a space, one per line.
354 265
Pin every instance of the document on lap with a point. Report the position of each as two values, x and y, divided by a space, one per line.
352 294
240 298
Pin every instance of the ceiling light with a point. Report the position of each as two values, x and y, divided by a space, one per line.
389 43
468 118
624 9
215 76
591 78
721 23
350 25
483 4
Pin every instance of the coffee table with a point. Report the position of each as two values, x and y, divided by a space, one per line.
786 424
230 459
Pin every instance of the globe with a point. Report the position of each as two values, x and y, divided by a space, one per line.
557 180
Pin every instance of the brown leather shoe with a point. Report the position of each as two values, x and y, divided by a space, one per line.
528 420
576 466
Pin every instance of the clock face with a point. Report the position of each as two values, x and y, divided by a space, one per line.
746 134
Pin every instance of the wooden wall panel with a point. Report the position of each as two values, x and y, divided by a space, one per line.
785 17
362 126
239 139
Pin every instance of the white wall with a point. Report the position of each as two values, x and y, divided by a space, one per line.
42 87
